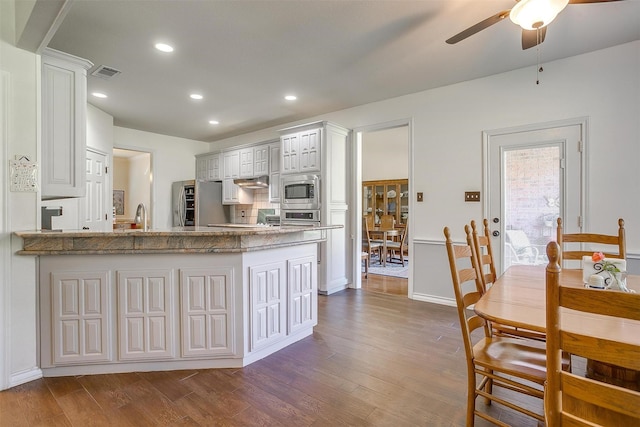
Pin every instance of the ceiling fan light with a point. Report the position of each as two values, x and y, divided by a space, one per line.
532 14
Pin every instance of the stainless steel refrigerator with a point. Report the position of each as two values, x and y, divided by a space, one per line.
198 203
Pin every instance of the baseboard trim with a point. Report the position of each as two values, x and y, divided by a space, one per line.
435 299
25 377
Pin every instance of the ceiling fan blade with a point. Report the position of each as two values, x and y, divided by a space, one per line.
530 38
479 27
590 1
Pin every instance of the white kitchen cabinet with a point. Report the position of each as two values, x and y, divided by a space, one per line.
208 167
261 160
246 162
207 312
79 317
301 151
233 194
302 293
322 148
64 117
274 173
268 304
145 316
231 164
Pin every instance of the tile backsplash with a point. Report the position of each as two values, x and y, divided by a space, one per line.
260 201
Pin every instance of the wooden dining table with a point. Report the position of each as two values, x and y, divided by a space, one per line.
518 298
385 233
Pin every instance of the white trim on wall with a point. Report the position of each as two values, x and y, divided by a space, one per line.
356 193
5 238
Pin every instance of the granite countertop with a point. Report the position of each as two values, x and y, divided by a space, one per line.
223 238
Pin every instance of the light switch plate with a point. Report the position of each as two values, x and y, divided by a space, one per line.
420 196
471 196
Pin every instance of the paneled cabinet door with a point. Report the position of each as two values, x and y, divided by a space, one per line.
231 164
290 153
80 317
213 168
261 160
246 162
302 293
268 308
207 302
274 173
232 194
310 150
64 117
201 168
145 320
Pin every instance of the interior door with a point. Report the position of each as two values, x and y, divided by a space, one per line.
533 177
96 208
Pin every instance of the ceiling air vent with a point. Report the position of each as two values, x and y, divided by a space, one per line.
105 72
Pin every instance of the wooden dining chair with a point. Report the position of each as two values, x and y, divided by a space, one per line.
488 275
573 400
512 363
387 222
370 246
400 247
594 239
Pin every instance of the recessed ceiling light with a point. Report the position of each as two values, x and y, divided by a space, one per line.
196 96
162 47
99 95
290 97
214 122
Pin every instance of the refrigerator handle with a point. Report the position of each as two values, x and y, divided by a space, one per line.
182 206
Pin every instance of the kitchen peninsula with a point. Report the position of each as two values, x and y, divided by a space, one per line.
184 298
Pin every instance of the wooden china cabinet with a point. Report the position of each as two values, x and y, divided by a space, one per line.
387 197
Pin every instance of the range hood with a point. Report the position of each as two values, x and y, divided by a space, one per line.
253 183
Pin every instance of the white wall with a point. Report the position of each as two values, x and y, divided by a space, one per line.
19 71
172 159
447 125
385 154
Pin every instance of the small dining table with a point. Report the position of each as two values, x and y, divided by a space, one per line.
518 298
385 233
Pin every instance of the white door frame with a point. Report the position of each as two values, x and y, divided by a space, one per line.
356 195
582 122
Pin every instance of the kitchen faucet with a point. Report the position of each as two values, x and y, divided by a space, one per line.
141 216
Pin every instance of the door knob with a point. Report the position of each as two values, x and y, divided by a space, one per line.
496 220
496 233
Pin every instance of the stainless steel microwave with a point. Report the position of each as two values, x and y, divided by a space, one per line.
300 192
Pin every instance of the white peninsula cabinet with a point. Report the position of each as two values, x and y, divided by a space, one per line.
129 312
64 117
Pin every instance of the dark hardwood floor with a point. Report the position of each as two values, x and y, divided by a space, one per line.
374 360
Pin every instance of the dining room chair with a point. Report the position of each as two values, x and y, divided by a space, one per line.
370 246
575 400
369 218
484 259
515 364
596 241
399 247
387 222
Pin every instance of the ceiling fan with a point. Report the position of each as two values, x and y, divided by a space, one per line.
532 15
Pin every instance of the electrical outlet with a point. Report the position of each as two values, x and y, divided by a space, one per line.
242 214
471 196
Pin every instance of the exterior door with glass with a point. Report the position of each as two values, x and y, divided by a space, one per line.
532 177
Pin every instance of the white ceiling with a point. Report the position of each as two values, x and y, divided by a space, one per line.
244 56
